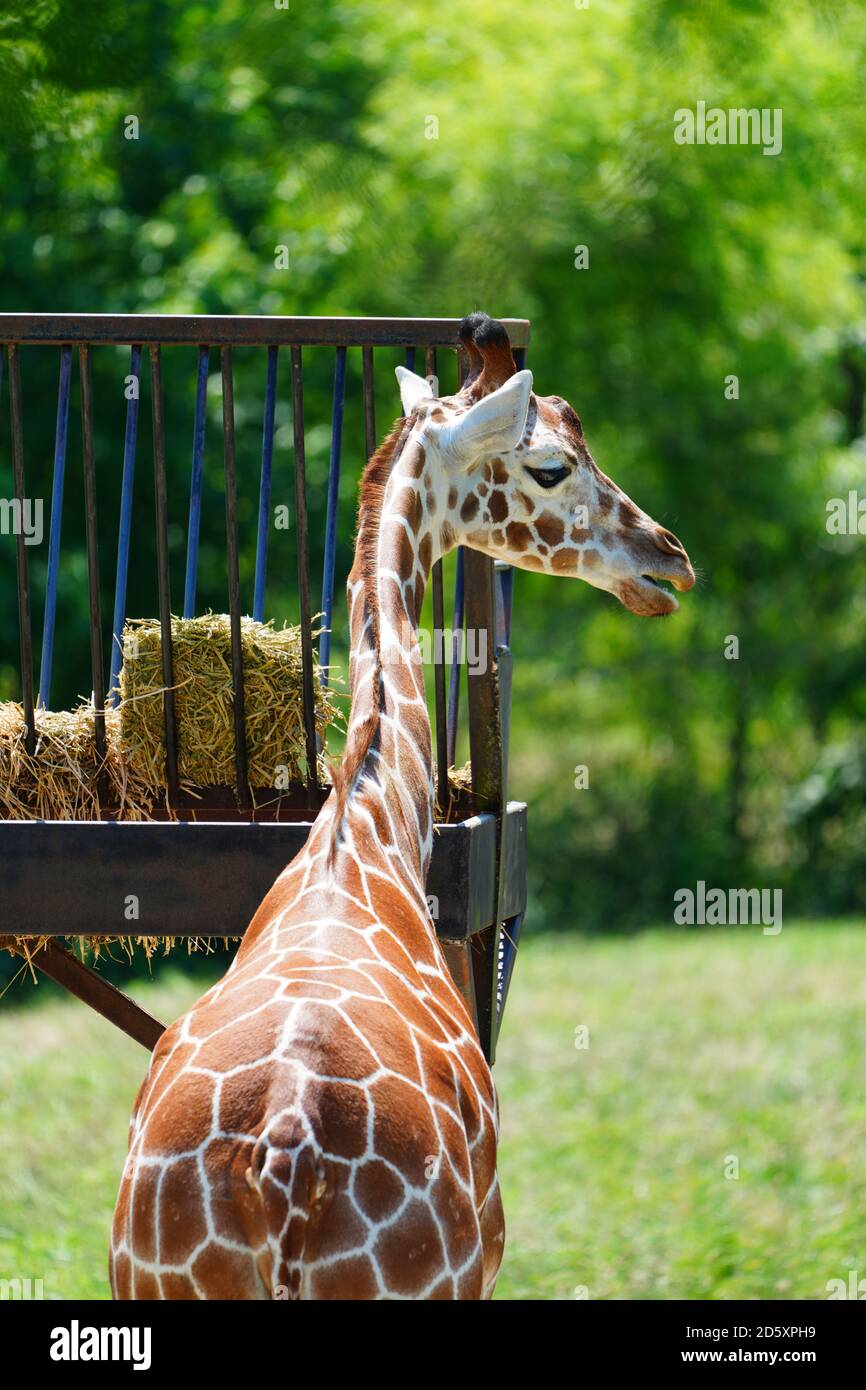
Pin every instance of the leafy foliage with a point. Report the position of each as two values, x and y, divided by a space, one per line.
308 127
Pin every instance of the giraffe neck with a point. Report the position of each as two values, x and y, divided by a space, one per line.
387 770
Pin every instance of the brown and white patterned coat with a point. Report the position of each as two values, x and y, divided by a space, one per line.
322 1123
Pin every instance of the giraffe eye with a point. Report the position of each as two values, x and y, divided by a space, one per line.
548 477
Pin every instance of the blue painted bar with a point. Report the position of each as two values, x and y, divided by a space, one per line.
265 488
333 500
410 358
504 597
60 436
456 638
195 485
124 530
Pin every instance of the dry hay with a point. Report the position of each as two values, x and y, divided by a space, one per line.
460 779
92 947
204 701
63 778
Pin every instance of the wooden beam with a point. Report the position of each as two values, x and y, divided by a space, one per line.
65 969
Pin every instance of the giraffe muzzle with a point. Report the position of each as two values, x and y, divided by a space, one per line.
665 564
676 567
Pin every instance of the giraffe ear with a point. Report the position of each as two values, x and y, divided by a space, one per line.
412 389
497 421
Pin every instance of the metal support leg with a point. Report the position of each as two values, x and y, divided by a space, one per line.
66 970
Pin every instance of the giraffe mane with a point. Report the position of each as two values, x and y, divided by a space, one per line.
371 496
491 363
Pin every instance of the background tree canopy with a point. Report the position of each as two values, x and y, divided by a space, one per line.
311 127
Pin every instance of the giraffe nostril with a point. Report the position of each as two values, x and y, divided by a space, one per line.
668 542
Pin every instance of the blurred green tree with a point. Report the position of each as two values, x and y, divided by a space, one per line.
433 162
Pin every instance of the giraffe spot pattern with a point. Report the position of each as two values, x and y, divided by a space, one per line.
322 1124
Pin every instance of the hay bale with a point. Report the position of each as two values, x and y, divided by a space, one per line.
63 779
201 656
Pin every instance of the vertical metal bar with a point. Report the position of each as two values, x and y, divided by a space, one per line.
304 570
481 684
96 667
124 531
430 363
410 358
25 636
369 402
504 601
331 521
265 487
163 573
456 623
442 793
440 696
195 484
243 790
505 935
60 436
492 965
486 751
503 671
456 661
503 949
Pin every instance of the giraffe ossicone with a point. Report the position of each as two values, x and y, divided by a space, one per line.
323 1123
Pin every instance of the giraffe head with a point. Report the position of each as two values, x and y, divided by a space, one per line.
509 474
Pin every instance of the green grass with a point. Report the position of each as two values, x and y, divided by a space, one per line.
702 1046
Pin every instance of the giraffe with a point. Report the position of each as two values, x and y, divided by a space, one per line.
323 1123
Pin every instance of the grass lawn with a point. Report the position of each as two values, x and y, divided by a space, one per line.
709 1053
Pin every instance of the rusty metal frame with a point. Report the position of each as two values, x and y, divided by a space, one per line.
489 847
236 330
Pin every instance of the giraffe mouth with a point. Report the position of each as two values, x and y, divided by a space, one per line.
658 583
655 598
664 600
647 596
